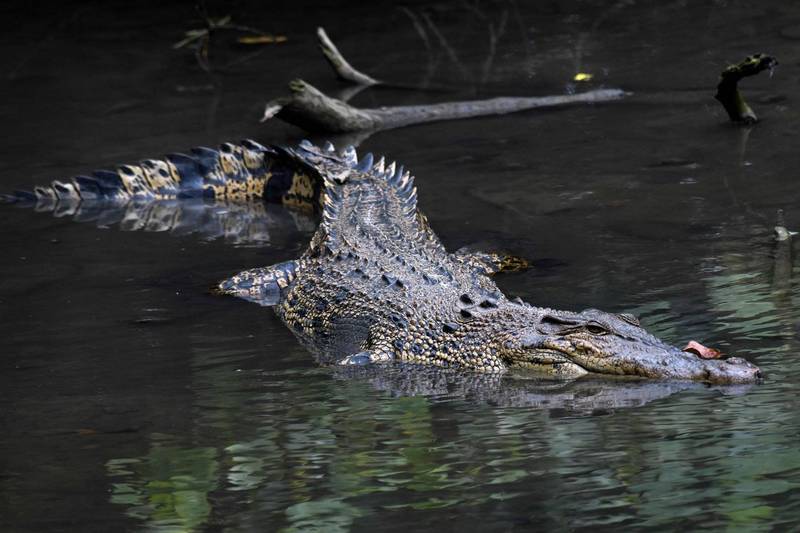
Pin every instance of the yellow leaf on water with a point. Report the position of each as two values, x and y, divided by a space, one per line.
262 39
583 76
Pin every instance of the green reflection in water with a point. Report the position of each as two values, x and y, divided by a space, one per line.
324 515
343 453
168 488
250 463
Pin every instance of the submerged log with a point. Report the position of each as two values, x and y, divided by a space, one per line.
313 111
316 112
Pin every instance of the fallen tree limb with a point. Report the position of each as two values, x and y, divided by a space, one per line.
315 112
728 91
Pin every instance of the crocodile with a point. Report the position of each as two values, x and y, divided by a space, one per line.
375 285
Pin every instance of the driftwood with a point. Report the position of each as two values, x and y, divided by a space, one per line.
728 91
315 112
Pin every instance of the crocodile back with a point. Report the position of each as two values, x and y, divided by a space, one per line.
375 275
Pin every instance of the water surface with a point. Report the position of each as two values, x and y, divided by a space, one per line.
135 400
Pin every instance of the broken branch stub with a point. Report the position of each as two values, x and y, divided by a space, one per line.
339 64
313 111
728 91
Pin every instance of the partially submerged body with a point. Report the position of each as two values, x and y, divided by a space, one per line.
376 285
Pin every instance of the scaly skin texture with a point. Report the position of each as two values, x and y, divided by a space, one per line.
376 285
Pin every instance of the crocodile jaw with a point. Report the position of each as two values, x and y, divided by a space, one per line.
658 362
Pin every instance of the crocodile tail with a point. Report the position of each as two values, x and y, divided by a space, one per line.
263 286
205 190
233 172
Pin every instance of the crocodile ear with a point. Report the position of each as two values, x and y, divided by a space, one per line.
630 319
263 286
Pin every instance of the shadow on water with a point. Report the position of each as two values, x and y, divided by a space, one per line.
132 398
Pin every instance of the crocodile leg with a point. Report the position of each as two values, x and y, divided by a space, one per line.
260 285
366 358
491 263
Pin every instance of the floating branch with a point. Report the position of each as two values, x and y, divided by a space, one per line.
728 91
315 112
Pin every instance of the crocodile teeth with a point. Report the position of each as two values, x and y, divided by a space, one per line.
379 166
305 144
328 147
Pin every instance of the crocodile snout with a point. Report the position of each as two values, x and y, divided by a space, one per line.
745 367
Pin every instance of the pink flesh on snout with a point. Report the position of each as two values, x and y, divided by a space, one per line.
702 351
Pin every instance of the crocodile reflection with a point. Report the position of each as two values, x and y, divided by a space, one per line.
521 389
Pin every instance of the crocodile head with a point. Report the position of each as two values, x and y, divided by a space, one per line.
572 344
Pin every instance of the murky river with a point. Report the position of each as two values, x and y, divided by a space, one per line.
132 399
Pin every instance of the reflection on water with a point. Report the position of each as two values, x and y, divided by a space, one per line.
343 452
320 449
134 400
249 224
168 487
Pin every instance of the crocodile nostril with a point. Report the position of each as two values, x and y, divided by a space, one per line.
735 361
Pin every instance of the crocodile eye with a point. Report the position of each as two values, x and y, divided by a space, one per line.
596 329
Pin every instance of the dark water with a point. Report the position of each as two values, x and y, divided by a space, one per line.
134 400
